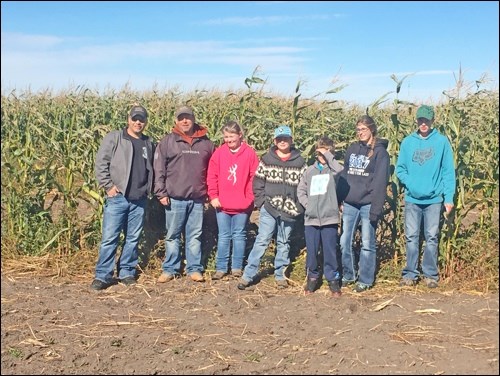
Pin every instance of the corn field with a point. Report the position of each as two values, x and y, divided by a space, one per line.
51 202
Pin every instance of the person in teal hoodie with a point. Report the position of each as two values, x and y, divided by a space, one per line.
426 170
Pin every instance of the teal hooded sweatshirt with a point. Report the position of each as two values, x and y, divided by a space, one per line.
426 168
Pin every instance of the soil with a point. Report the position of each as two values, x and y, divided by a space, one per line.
60 326
53 323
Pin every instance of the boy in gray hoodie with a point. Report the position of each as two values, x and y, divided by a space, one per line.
317 193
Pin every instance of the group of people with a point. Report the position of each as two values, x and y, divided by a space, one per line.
185 171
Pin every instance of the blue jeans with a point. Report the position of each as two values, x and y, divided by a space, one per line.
231 227
187 216
364 273
267 225
414 213
327 236
120 214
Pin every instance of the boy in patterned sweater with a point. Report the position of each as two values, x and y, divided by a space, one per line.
275 190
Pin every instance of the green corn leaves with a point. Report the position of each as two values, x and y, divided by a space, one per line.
51 202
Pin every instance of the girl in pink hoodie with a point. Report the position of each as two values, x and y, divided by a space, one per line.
230 175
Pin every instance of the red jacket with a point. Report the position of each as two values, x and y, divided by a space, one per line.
230 177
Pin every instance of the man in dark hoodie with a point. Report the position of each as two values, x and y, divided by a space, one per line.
275 189
180 168
362 192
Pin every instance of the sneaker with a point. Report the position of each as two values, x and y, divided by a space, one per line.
407 282
281 283
347 282
237 273
218 275
97 285
128 281
430 283
360 287
311 285
243 284
335 288
165 277
197 277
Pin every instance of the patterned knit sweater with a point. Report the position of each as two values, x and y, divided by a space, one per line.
275 184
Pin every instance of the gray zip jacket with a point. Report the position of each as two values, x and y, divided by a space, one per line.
319 197
114 161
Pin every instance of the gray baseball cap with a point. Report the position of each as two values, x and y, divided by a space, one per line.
138 111
184 110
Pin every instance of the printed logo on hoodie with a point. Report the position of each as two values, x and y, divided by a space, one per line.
358 164
423 155
232 173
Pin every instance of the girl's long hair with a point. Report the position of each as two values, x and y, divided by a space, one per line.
370 124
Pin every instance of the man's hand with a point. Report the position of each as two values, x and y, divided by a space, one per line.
448 208
113 191
165 201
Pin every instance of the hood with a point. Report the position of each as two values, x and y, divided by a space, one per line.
382 142
293 151
363 147
199 131
432 133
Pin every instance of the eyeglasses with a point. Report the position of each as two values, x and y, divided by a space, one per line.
140 118
362 130
184 116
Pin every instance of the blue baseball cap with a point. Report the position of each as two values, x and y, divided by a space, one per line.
283 131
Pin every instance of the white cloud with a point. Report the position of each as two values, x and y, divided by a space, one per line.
45 61
19 41
257 21
397 74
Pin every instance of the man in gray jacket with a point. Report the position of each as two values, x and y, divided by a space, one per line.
124 168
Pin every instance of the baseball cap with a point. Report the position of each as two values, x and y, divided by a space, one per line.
283 131
426 112
184 110
138 111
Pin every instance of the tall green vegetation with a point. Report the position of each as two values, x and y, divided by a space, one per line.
51 202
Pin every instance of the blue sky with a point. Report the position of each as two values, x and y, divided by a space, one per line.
216 45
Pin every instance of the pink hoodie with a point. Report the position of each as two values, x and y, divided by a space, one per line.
230 176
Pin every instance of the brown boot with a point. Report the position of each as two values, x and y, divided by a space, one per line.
197 277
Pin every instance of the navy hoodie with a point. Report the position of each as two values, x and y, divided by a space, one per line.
364 180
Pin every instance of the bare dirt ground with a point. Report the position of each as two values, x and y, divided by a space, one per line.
59 326
53 323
